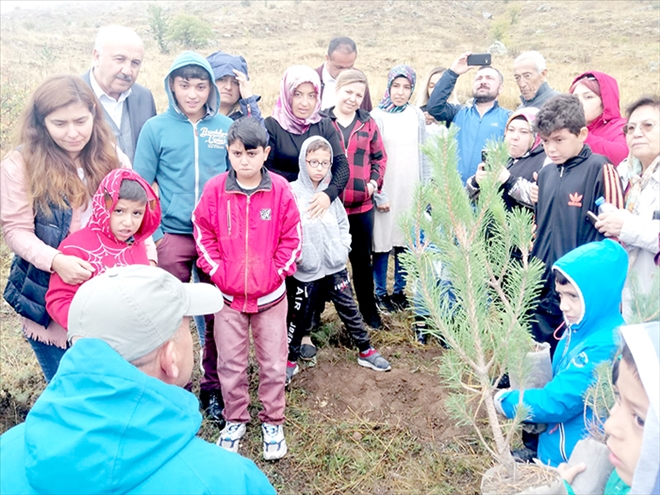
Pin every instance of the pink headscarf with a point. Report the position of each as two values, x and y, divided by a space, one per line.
283 112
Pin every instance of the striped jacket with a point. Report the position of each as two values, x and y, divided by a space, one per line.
366 161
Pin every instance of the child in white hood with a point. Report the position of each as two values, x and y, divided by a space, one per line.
322 270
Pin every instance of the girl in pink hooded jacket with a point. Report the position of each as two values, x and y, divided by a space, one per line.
599 94
125 212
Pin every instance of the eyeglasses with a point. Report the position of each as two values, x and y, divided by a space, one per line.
646 127
316 163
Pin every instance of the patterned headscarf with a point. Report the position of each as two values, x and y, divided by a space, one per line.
283 112
398 71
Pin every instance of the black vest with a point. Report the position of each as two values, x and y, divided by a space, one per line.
27 285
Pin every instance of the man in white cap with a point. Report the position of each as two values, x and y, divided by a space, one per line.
115 418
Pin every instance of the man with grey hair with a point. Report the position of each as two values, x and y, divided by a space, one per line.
530 73
116 418
117 58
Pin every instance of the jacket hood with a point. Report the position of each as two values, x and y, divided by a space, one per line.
609 94
644 344
303 175
598 272
192 58
103 420
106 197
224 64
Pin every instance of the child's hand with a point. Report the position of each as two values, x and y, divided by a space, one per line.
385 207
71 269
481 173
570 472
244 85
318 205
534 189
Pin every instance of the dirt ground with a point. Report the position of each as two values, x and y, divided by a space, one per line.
410 392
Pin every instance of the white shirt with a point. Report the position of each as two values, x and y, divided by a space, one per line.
329 98
115 108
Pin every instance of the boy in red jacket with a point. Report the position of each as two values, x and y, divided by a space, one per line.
248 236
125 212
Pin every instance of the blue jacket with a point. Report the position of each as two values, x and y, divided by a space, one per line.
598 271
27 285
474 131
181 156
223 64
103 426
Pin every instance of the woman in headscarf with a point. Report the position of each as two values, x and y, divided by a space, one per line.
599 94
295 118
526 157
403 131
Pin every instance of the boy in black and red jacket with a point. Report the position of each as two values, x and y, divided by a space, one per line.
567 189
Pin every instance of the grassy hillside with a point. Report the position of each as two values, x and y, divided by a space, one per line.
348 430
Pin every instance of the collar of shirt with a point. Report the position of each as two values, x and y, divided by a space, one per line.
113 107
328 97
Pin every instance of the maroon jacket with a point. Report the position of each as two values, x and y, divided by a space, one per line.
366 161
366 103
606 132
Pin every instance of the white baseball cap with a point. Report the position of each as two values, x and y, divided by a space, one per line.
137 308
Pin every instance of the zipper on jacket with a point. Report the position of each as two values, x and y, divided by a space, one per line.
228 218
247 253
561 171
196 161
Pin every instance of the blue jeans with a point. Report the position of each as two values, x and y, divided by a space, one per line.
380 272
49 357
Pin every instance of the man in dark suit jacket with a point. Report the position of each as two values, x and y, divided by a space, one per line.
118 54
341 56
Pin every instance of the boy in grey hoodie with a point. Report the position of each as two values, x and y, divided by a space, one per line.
322 270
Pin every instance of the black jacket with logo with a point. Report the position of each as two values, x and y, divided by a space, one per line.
566 193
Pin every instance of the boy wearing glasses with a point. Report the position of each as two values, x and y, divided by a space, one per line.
567 189
322 270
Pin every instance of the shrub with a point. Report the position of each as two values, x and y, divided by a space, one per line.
158 25
190 31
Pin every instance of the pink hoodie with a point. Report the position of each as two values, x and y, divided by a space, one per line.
606 132
97 245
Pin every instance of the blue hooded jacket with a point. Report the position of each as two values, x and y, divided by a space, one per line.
224 64
182 156
103 426
598 271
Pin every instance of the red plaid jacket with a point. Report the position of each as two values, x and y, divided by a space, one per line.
366 161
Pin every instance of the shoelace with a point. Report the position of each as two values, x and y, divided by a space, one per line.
271 430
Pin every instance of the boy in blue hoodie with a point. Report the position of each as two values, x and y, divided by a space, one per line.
180 150
589 281
322 270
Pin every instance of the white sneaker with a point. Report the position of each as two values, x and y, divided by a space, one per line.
274 443
230 436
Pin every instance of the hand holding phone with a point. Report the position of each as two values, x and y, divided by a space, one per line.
592 217
479 59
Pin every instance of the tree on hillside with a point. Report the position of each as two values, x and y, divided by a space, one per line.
190 31
478 297
158 26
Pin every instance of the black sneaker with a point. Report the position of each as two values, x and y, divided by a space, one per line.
374 321
400 301
384 304
213 406
523 455
307 352
420 329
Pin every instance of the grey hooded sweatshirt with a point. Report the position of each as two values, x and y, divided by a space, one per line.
326 240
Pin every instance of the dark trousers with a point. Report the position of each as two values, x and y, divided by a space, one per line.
362 230
303 304
177 254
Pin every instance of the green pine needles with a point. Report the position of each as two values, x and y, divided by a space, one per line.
470 269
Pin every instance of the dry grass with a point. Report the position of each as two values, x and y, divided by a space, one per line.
331 454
